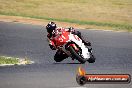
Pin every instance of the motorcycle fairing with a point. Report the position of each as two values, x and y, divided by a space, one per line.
79 42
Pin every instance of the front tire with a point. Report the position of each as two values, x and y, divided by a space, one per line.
75 55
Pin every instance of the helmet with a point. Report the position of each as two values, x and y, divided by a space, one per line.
50 27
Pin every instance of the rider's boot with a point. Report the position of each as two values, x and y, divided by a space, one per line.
86 42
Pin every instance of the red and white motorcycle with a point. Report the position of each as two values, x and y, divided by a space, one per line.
72 46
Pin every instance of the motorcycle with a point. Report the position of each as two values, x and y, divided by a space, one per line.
71 45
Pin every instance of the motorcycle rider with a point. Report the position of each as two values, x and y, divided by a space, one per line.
53 31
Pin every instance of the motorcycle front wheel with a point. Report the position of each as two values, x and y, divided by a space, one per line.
76 55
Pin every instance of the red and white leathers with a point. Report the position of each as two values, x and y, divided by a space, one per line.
58 31
55 33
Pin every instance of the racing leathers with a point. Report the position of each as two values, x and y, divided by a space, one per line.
58 30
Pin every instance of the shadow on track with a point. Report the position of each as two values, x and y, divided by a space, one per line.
66 63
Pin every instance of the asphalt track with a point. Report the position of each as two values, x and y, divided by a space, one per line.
113 51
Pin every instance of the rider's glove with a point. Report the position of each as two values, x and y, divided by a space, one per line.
52 47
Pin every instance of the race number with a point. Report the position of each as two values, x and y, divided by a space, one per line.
61 39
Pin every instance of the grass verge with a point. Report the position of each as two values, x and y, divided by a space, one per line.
4 60
8 60
112 26
114 14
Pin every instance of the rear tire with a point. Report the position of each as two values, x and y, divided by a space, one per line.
92 58
75 55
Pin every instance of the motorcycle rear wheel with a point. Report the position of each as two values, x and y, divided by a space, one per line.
91 59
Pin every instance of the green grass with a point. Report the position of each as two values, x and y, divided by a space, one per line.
116 14
15 61
8 60
114 26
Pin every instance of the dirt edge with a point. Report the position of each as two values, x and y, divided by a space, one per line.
42 22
